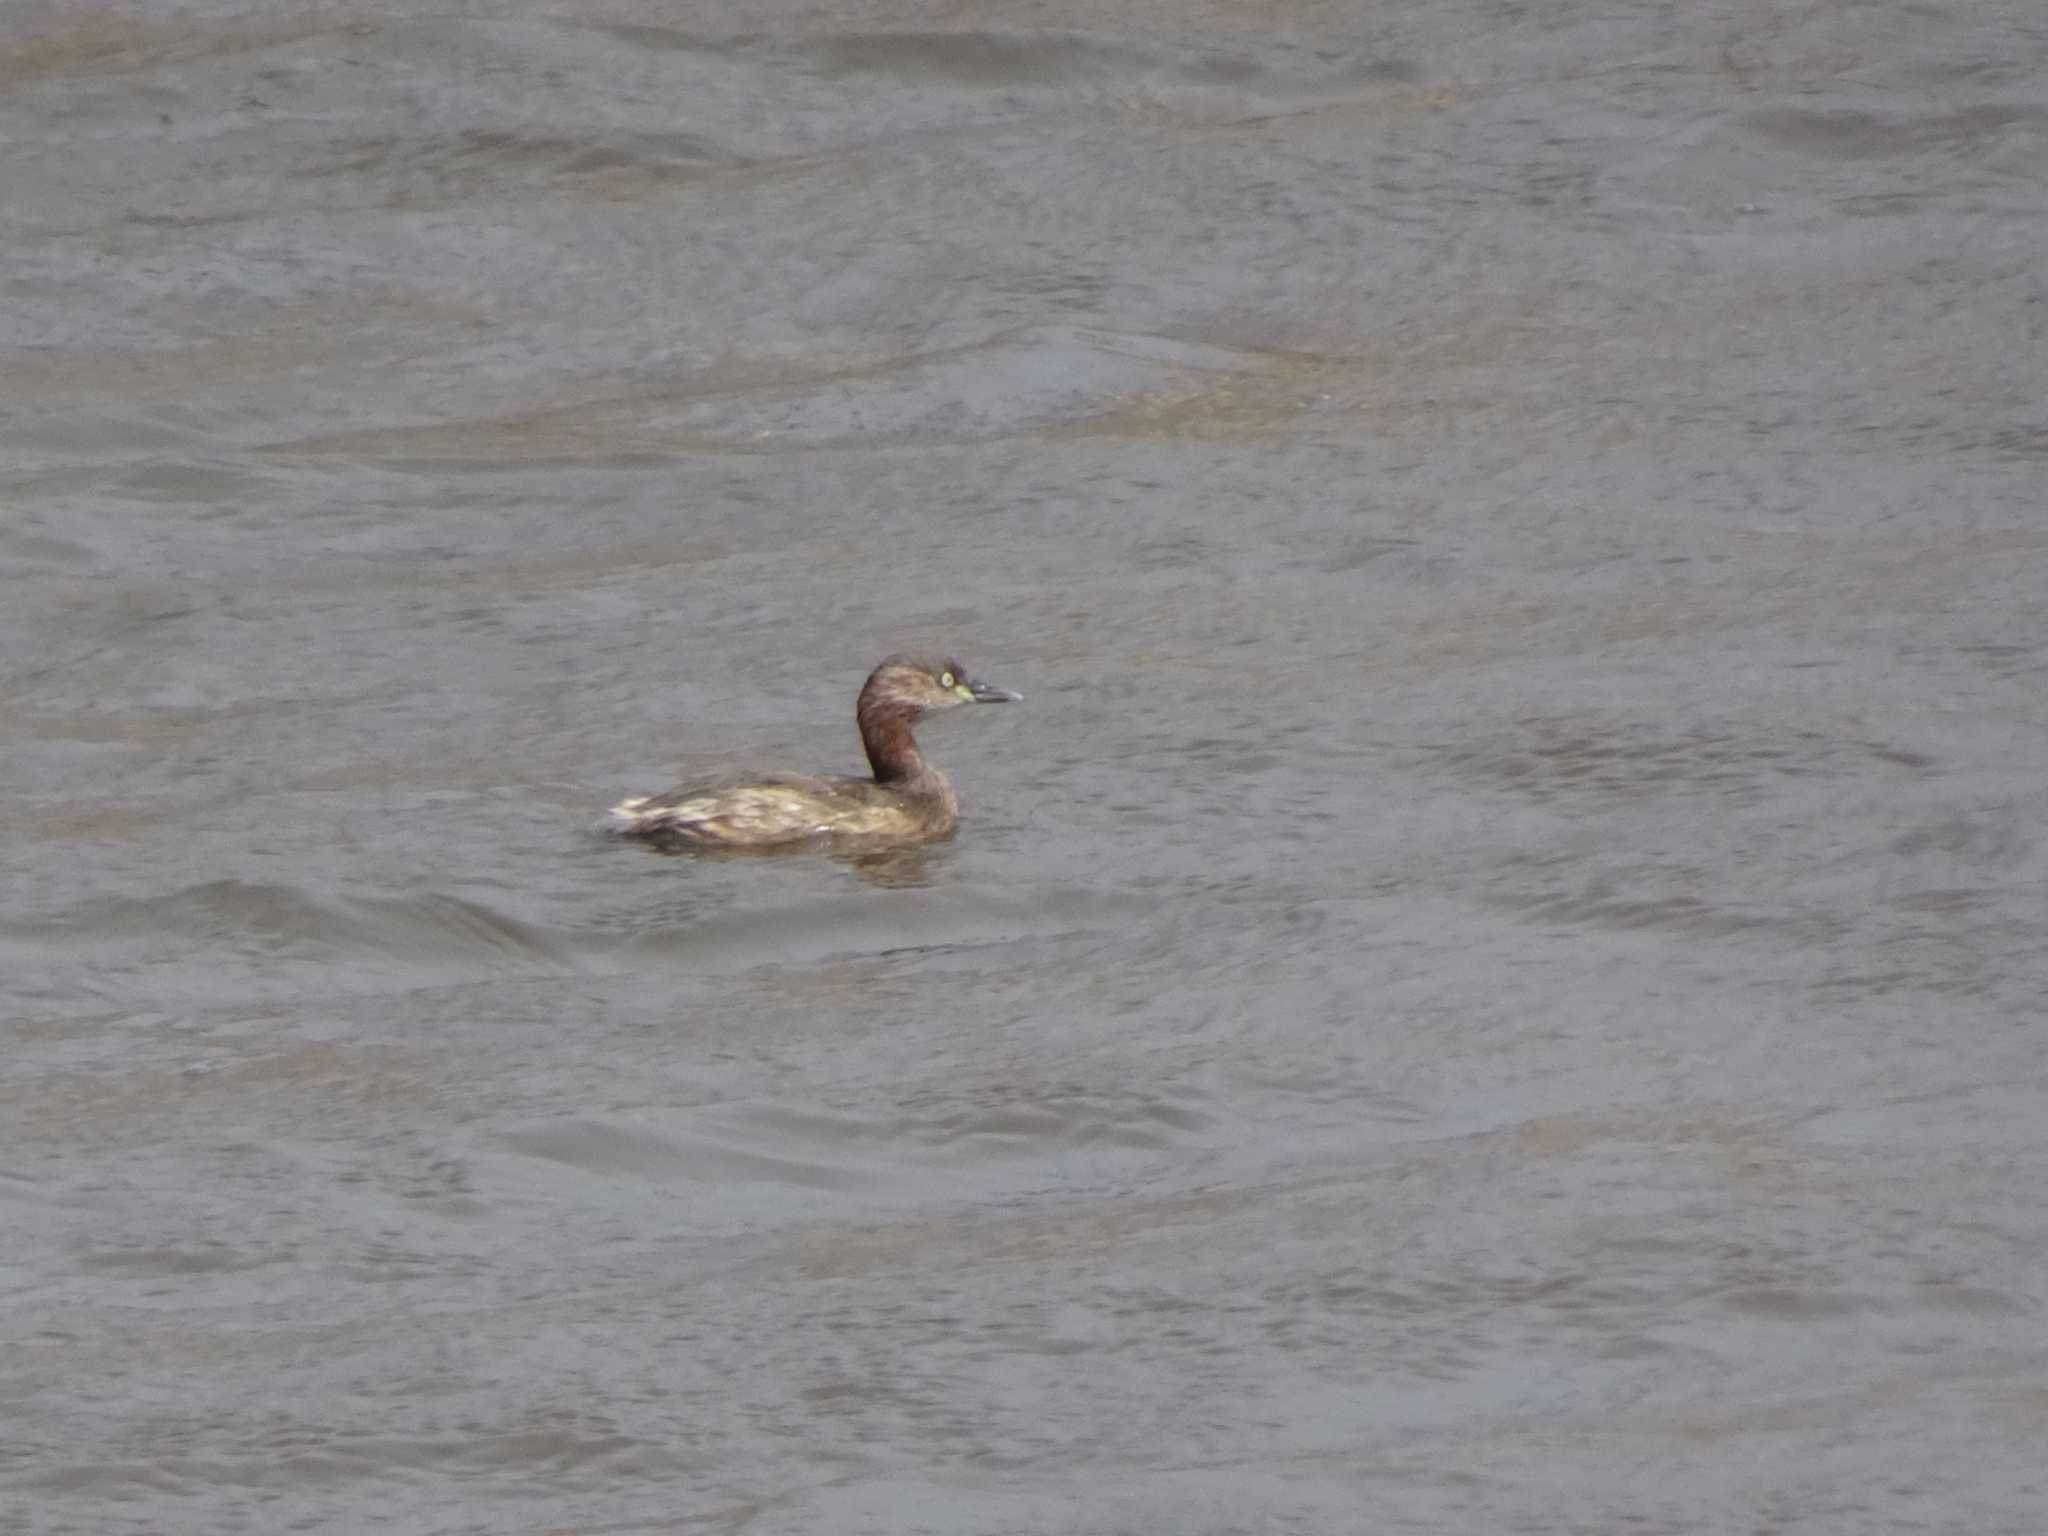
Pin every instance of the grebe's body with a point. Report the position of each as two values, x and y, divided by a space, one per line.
906 801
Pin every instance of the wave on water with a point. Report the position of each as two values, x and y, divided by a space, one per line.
213 938
930 922
239 939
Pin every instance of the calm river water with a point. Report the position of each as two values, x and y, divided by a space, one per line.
1495 984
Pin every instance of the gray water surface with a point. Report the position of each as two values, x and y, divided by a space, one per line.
1495 984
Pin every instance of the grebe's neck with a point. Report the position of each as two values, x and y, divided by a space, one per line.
885 732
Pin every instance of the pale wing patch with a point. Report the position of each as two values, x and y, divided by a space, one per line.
744 813
760 811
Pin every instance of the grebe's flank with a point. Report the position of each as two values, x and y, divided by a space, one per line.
906 801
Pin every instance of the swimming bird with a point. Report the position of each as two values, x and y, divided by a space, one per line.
906 801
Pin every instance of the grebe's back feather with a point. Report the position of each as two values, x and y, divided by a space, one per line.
780 810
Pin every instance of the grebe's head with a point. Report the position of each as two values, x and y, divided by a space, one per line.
927 686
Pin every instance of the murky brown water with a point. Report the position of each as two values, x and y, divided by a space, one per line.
1496 984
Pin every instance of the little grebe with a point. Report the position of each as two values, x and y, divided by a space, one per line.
907 800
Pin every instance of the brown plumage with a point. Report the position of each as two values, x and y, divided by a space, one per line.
906 801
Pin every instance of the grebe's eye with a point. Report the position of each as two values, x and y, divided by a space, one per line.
945 680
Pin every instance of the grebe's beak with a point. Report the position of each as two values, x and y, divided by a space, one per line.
987 693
